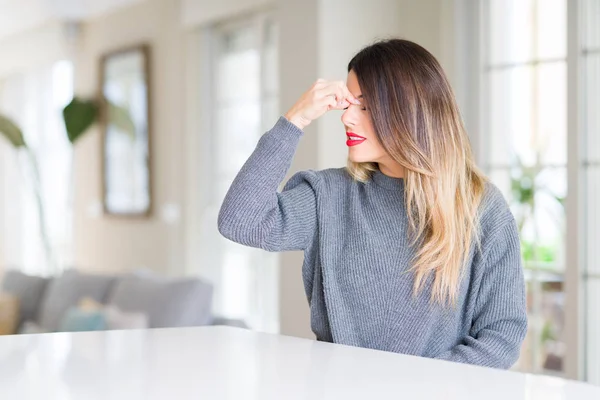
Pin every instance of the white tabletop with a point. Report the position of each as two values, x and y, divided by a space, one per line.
231 363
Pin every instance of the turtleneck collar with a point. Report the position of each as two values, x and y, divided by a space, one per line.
387 182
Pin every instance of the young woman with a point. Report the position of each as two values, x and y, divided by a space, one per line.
409 248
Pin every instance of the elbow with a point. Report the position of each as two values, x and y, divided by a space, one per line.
228 227
504 356
513 347
522 333
511 357
500 346
224 226
238 230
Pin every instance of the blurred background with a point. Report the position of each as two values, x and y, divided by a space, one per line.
125 121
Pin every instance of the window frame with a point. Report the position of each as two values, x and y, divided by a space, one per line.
473 37
267 274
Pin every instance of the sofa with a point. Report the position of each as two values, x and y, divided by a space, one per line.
79 301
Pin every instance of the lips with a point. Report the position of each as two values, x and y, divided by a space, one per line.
354 139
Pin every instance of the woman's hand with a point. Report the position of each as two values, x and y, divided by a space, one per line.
320 98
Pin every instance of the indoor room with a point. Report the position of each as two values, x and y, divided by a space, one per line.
137 135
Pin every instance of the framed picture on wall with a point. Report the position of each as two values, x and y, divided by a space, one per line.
126 132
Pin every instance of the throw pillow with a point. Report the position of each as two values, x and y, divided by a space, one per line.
78 320
66 291
116 319
89 304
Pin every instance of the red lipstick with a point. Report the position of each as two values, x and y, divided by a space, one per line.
354 139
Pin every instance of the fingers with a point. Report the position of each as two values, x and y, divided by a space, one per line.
340 105
332 95
337 89
333 91
350 97
331 103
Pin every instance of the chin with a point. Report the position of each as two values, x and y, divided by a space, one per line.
359 158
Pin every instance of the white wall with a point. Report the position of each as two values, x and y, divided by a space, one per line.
195 13
117 244
35 47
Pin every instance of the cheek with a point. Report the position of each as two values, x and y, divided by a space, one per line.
372 150
376 151
374 145
368 129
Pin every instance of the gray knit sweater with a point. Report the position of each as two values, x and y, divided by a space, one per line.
357 253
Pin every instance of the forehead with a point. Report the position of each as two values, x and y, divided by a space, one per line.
352 84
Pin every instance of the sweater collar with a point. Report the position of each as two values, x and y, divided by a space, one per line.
387 182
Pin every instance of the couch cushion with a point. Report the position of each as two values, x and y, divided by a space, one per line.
28 289
66 291
115 318
168 303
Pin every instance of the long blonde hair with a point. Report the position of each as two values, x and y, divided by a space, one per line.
417 121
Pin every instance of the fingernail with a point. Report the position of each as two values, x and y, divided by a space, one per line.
355 101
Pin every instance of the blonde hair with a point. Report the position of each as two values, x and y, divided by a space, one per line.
417 121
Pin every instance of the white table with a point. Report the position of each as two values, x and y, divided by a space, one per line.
231 363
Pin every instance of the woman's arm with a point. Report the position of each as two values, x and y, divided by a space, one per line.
500 318
254 214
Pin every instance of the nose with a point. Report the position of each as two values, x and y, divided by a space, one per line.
348 117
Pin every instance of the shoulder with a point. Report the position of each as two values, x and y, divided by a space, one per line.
494 208
326 180
495 217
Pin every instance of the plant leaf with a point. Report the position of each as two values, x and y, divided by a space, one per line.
120 117
11 131
79 115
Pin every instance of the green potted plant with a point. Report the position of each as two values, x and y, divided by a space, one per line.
79 115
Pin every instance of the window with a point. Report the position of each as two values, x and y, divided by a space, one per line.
590 100
244 104
524 89
34 100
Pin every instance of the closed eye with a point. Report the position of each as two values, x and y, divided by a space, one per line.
362 108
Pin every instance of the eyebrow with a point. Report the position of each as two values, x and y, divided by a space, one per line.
359 96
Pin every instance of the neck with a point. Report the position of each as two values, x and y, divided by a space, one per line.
391 169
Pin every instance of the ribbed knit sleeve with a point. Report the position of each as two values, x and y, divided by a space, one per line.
500 318
254 213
